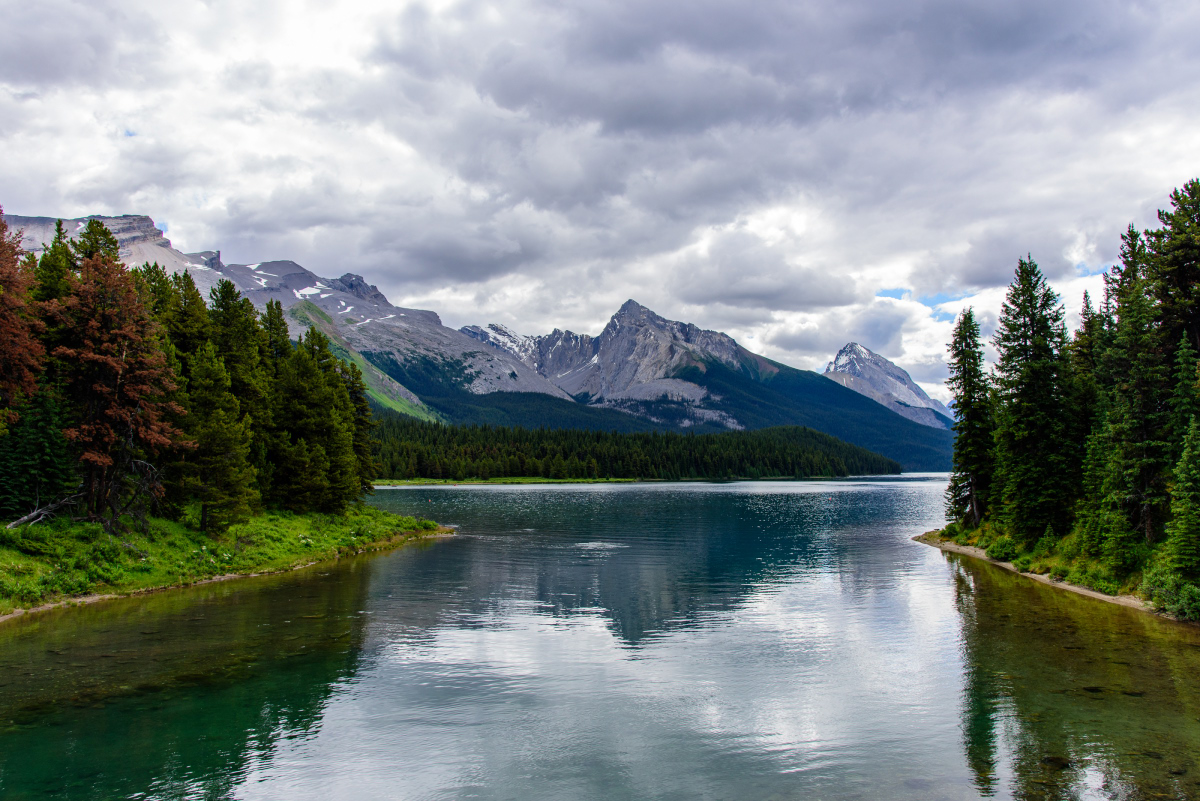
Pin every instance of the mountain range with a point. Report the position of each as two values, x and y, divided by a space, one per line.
641 372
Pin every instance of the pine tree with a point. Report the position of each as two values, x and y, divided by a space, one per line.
1030 464
1184 402
186 318
1173 266
1183 532
1138 416
364 425
116 389
96 241
56 267
970 481
20 352
36 465
219 476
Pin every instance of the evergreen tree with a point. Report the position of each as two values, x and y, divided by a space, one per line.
1183 532
96 241
1173 266
219 476
56 267
970 481
1184 403
36 465
1138 416
20 351
186 318
115 389
364 425
1030 465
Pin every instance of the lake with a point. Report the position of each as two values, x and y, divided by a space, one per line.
773 640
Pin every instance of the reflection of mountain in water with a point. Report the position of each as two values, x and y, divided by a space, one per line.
172 695
597 552
1058 715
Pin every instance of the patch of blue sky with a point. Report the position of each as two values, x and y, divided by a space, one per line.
161 225
130 133
898 294
1083 270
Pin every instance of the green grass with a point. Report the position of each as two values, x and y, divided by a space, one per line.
1059 559
61 560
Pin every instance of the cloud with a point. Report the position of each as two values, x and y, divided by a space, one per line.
763 168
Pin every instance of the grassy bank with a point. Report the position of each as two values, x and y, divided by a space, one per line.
1060 560
61 560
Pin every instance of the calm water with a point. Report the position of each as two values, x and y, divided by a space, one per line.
740 641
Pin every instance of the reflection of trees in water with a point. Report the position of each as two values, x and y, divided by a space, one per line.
645 575
1066 693
175 694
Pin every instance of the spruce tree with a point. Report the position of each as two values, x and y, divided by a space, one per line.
20 351
37 467
1138 415
219 476
1184 402
1030 464
116 387
1173 266
56 267
970 481
96 241
1183 532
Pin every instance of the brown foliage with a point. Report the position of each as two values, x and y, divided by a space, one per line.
117 386
20 352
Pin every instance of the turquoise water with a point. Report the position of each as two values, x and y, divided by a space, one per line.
732 641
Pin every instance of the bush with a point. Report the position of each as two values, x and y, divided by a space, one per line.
1168 592
1058 572
1003 549
1023 563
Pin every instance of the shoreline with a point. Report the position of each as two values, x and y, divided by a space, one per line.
1130 601
397 540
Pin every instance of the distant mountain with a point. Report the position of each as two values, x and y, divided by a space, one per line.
683 376
868 373
642 372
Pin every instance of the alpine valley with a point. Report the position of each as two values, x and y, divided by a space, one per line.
642 372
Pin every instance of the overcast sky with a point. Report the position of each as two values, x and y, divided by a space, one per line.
798 174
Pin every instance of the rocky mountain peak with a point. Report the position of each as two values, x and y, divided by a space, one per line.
357 286
870 374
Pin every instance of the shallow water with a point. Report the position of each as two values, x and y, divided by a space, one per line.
752 640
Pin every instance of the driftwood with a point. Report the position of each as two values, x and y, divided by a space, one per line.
43 512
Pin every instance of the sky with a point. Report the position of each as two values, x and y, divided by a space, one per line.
797 174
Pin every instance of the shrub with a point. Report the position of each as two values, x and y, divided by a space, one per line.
1003 549
1023 563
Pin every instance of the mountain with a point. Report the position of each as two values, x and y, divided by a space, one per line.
642 372
683 376
363 325
869 374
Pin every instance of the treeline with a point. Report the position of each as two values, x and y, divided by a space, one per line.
409 449
1085 448
123 392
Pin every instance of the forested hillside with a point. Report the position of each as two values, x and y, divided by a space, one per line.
123 393
412 449
1080 455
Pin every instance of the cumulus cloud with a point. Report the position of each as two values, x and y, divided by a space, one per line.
765 169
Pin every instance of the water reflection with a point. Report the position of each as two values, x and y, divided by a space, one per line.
175 694
766 641
1081 698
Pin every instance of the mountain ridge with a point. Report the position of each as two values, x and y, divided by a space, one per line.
641 372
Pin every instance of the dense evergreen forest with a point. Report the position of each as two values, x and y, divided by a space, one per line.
1080 454
123 393
414 449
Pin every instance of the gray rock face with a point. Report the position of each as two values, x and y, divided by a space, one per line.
635 358
353 310
868 373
